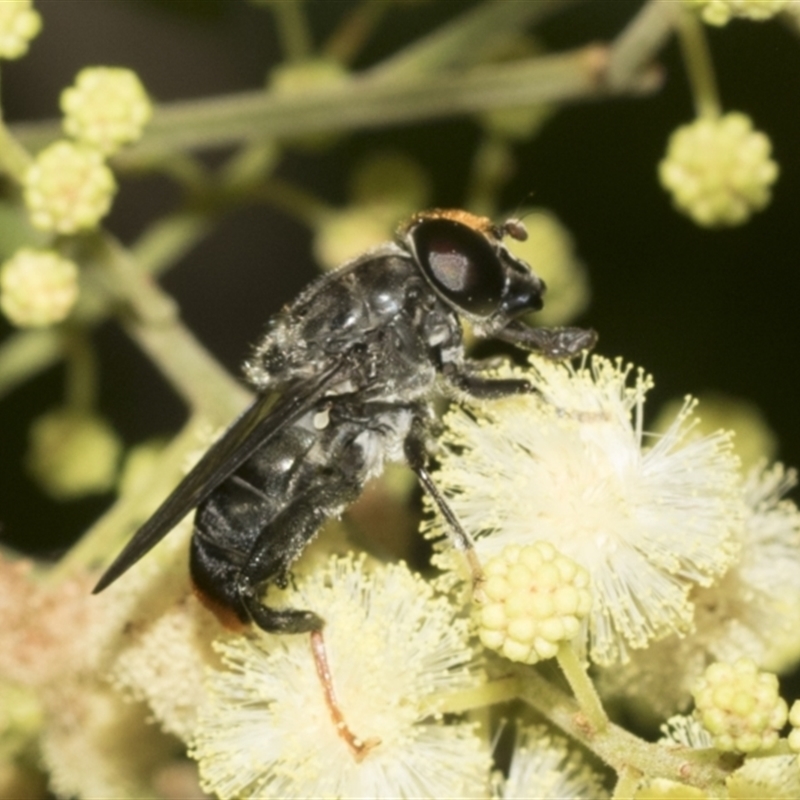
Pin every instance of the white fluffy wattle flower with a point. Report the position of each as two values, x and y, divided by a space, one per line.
546 767
570 466
393 647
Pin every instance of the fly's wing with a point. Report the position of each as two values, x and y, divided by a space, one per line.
257 425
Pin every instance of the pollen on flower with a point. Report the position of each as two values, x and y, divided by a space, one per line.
68 188
740 706
37 287
107 107
719 171
393 647
545 766
19 23
663 789
569 467
720 12
535 599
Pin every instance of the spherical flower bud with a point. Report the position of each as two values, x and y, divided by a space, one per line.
107 107
346 233
534 598
37 287
740 706
19 23
68 188
720 12
719 171
73 454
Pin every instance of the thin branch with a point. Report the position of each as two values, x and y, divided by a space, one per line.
364 104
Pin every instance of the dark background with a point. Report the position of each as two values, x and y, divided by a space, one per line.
699 309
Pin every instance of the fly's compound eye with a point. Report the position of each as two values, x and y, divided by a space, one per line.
461 264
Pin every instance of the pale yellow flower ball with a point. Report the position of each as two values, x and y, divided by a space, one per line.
37 287
740 706
719 171
107 107
73 454
68 188
533 600
720 12
19 23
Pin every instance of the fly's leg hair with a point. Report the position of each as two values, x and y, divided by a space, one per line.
417 456
467 379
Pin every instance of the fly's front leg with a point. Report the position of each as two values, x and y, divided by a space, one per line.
417 457
468 380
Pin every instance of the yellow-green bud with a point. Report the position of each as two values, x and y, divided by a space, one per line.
73 454
68 188
720 12
391 179
719 171
740 706
106 108
533 600
19 23
344 234
37 287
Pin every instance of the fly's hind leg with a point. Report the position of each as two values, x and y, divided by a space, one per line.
417 456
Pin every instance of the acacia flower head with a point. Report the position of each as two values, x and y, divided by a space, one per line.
740 706
544 766
720 12
393 647
19 23
37 287
571 466
106 107
752 611
719 170
68 188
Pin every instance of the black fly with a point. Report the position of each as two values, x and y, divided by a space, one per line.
345 377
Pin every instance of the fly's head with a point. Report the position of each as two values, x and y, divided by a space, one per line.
463 258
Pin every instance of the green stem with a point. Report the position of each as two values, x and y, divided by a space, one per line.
635 48
290 199
487 694
465 39
617 747
627 784
153 323
367 104
346 41
169 239
26 353
582 686
292 29
699 67
81 392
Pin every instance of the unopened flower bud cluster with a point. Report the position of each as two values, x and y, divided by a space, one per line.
720 12
740 706
37 287
19 23
69 188
535 598
719 171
